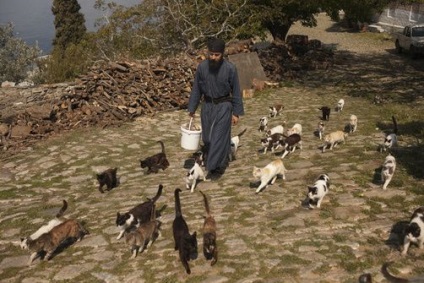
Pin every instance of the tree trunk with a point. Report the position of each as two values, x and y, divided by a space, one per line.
279 32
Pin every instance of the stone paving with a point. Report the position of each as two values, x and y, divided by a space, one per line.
269 237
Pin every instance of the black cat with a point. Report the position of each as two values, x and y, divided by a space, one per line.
185 243
108 178
155 162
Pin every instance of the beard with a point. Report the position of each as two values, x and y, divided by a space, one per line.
215 65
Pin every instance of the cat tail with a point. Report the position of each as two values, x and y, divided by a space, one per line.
177 203
395 126
390 277
162 145
158 194
242 132
62 209
205 199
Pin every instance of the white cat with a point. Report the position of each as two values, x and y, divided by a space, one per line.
275 130
296 129
317 192
269 173
45 228
414 233
263 124
320 129
195 173
333 139
388 170
353 123
340 105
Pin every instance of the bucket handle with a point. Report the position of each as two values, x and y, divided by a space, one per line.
189 124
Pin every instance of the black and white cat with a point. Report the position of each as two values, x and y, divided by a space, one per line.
196 173
137 215
272 142
185 243
414 233
353 123
388 170
290 144
391 140
269 173
317 192
320 129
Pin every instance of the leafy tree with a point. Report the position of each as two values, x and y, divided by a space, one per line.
16 57
69 23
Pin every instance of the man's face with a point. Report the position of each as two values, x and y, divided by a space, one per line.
215 60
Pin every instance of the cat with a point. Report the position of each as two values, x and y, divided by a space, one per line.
108 178
320 129
296 129
275 110
290 144
277 129
388 170
333 139
414 233
391 139
394 279
155 162
210 249
365 278
142 237
325 113
263 124
48 242
195 173
137 215
201 155
185 243
340 105
269 173
45 228
353 123
272 142
317 192
235 141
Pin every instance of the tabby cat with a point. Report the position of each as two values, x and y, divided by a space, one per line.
155 162
210 249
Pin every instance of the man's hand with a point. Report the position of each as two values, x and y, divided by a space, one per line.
235 119
191 114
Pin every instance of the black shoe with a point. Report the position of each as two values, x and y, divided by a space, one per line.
214 175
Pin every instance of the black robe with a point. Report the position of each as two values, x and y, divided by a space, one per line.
216 118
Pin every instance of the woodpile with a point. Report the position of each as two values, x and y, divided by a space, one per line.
116 92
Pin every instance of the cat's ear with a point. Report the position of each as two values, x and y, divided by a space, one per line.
22 239
194 234
118 214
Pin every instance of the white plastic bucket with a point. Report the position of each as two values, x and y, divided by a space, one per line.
190 139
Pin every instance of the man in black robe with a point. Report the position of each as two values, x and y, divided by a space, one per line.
217 81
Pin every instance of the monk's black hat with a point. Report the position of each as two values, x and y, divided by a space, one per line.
216 45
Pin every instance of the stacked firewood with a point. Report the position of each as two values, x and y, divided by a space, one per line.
116 92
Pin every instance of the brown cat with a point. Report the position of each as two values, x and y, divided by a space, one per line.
141 238
155 162
185 243
48 242
108 178
210 249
